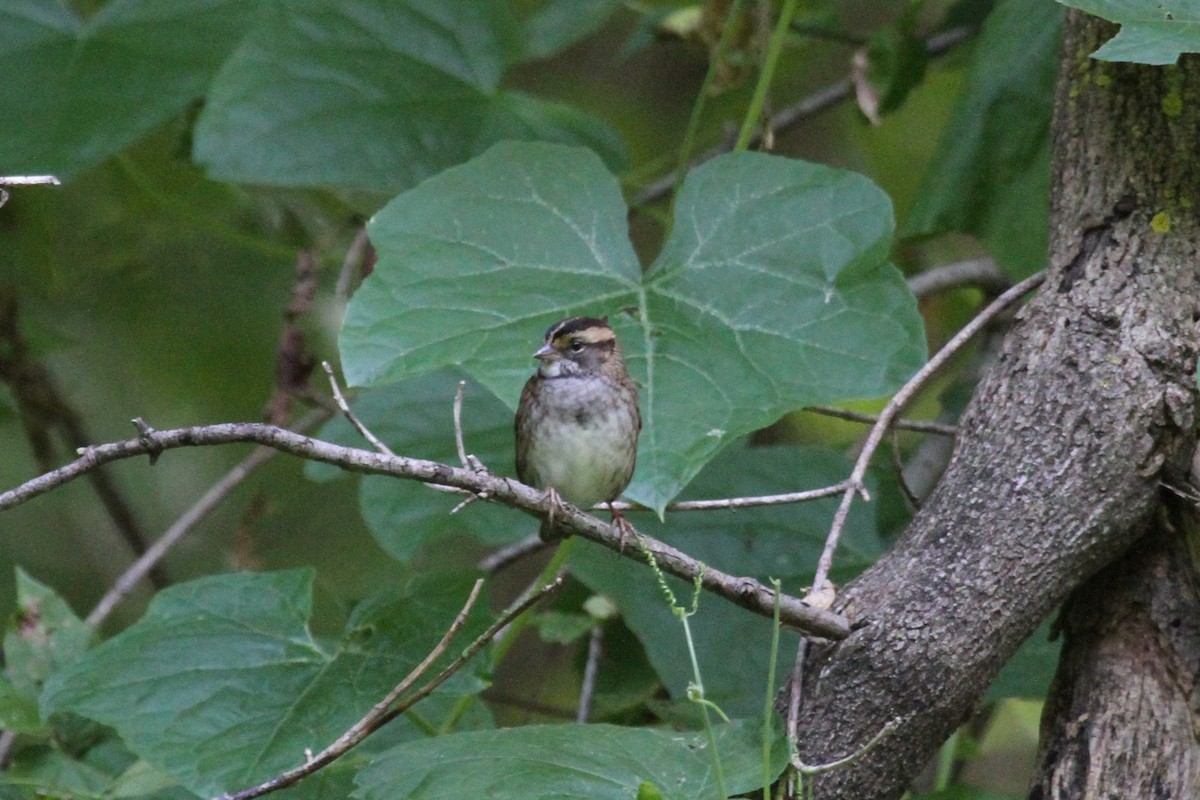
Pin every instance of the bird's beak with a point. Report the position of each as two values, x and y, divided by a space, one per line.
546 353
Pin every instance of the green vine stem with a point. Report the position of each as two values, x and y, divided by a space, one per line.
774 47
695 691
714 60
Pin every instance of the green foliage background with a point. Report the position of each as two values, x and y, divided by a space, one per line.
498 149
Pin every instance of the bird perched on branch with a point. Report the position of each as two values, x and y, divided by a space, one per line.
578 422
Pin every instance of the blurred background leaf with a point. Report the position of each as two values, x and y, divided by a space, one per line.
991 175
79 90
375 95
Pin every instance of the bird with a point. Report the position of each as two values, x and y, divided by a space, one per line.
578 421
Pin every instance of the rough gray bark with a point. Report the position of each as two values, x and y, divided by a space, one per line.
1061 452
1121 717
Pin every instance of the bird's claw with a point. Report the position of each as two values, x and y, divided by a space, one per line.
624 528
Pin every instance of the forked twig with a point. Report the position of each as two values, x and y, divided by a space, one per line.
383 711
350 416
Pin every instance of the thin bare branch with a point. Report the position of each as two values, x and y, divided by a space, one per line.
7 739
591 669
25 180
531 544
979 272
510 554
809 106
503 621
465 459
811 770
458 430
352 264
340 399
896 405
29 180
45 411
371 721
739 502
914 502
745 592
189 519
921 426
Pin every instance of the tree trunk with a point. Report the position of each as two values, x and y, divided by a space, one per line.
1121 718
1058 466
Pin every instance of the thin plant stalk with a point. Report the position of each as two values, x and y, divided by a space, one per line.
768 703
759 99
693 126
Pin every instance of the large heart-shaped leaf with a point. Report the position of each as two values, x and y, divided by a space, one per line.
74 92
222 684
375 94
772 292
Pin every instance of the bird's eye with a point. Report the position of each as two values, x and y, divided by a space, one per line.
576 345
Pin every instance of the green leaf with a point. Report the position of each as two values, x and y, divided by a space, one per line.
770 541
415 417
772 292
648 791
222 684
561 627
43 637
990 176
1029 672
557 24
1152 31
374 94
589 762
139 780
898 57
75 92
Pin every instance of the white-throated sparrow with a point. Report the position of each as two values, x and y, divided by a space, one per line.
578 422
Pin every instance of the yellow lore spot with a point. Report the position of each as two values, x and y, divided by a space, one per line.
1161 222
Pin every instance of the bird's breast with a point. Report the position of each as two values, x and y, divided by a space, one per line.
585 446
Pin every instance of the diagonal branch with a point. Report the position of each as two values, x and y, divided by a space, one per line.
745 592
